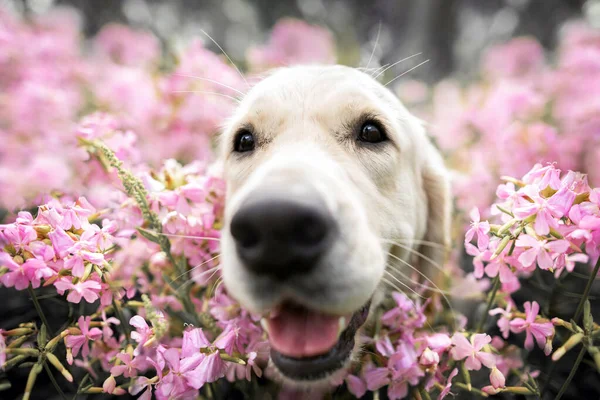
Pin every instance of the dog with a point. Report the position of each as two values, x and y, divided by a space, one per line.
330 182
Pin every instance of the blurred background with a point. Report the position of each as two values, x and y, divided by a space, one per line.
452 33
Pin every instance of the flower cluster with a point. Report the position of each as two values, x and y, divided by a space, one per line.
522 111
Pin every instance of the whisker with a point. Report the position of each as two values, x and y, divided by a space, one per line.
207 92
426 277
196 267
215 286
417 241
190 281
394 64
425 286
404 284
226 55
187 236
375 45
213 81
417 253
376 70
409 299
406 72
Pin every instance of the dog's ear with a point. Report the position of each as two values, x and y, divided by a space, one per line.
436 185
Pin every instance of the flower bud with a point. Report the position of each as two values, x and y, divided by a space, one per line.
61 368
497 378
569 344
429 357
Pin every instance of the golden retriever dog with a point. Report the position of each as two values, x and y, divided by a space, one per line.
330 183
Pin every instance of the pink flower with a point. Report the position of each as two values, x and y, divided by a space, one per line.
79 342
504 320
481 229
140 383
128 367
18 276
142 331
547 211
19 235
356 386
540 250
89 290
538 330
478 258
110 386
193 341
472 351
211 368
448 386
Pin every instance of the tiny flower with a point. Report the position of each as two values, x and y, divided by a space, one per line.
471 350
538 330
80 342
481 229
128 367
448 386
540 250
89 290
209 370
356 386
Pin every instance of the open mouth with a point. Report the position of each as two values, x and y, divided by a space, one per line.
309 345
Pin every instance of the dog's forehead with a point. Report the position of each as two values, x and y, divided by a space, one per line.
310 90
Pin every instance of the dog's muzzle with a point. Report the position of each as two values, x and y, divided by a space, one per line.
280 237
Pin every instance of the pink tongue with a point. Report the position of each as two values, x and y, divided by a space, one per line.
298 332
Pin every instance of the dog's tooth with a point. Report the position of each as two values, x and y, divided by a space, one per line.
264 324
342 325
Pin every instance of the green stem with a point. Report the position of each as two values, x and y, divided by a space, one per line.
54 383
489 303
565 385
586 292
38 308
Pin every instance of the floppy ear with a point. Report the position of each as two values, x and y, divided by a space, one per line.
436 185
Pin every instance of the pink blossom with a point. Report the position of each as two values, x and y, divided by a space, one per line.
356 386
448 385
540 250
89 290
128 367
472 350
80 342
142 331
211 368
479 229
504 320
538 330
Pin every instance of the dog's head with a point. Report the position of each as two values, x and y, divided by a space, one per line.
327 175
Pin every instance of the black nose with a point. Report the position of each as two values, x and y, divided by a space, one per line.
281 237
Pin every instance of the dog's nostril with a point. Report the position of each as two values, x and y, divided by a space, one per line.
281 237
244 233
310 230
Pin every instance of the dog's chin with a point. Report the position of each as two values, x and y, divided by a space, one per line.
311 369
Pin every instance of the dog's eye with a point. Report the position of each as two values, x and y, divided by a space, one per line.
244 141
371 133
